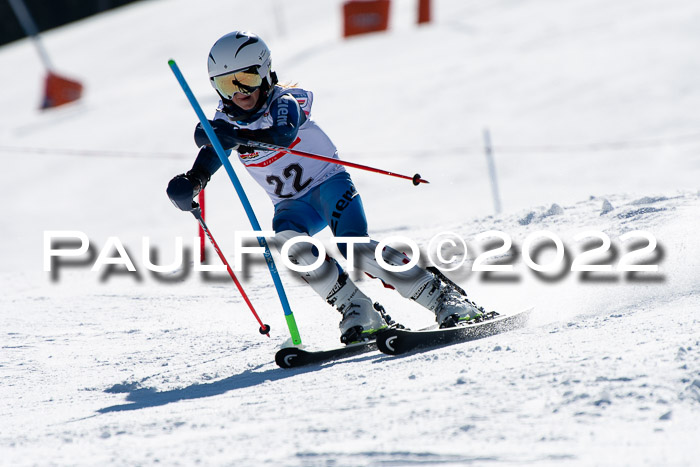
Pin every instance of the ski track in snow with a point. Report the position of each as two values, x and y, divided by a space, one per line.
115 368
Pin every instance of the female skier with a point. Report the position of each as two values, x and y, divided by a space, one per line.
308 195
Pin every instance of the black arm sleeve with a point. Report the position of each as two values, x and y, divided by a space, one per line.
206 163
287 117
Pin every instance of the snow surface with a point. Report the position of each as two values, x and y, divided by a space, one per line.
592 108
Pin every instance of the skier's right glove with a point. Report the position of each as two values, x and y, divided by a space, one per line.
184 187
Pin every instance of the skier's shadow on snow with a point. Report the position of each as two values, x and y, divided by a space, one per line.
141 398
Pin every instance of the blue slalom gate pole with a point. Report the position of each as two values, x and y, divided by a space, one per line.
289 316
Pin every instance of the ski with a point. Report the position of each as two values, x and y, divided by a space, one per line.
292 357
399 341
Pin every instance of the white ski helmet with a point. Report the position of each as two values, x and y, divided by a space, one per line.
240 51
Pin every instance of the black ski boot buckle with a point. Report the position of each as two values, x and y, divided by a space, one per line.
354 334
450 322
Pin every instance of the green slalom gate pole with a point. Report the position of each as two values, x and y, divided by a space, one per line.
216 144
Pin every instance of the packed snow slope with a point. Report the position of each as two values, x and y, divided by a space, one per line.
592 109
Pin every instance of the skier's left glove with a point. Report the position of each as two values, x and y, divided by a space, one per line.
227 134
184 187
245 149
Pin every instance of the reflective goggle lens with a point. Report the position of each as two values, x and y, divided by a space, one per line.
245 82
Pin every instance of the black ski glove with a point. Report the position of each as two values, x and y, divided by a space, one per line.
226 133
245 149
184 187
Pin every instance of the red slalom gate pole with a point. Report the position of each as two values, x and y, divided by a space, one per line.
202 255
264 328
416 179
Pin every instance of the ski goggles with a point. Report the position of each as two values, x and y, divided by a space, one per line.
243 81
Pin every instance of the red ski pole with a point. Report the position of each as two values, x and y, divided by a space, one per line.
264 328
273 147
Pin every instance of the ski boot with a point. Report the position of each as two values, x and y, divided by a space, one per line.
449 303
361 320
